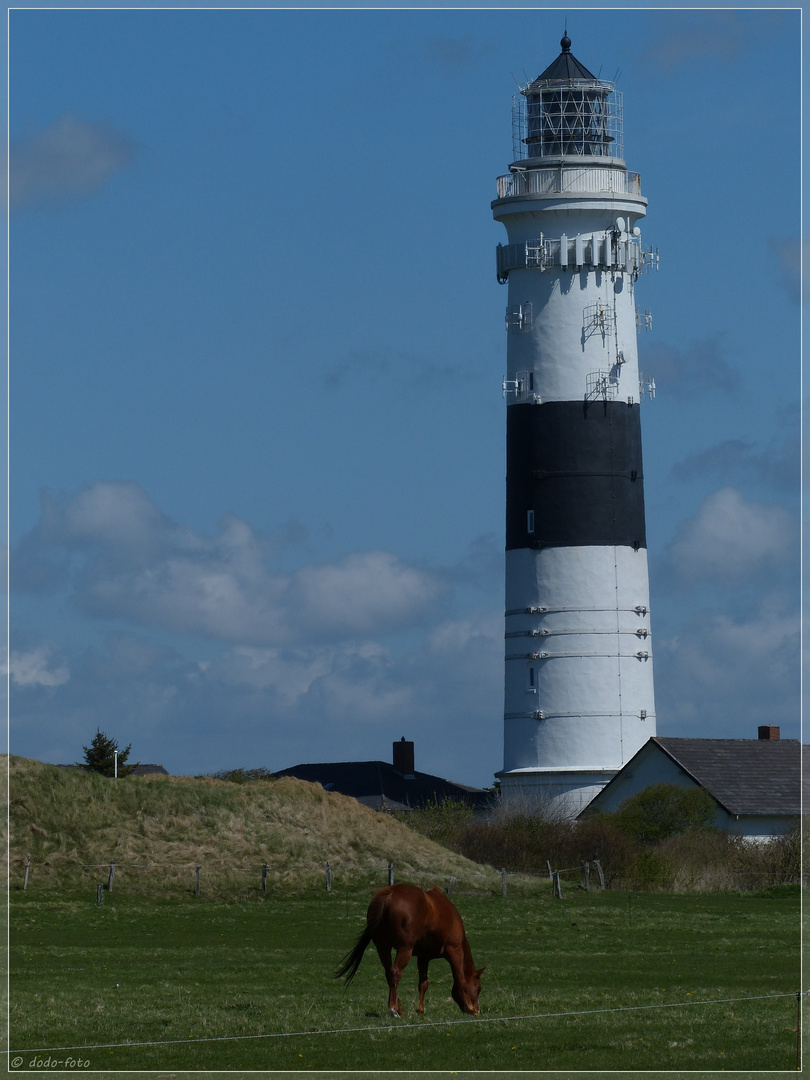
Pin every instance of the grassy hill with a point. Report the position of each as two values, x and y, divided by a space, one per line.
156 829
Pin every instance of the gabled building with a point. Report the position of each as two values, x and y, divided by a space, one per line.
756 784
384 786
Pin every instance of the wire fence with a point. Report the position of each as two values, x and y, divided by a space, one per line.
200 878
421 1025
212 876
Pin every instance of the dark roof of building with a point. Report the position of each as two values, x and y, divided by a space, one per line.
565 68
746 776
378 784
142 770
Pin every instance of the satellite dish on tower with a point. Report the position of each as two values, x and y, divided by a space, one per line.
620 224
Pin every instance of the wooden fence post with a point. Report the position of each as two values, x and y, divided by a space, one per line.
264 877
586 869
111 876
328 878
450 886
557 888
390 873
197 884
600 872
503 881
550 871
27 868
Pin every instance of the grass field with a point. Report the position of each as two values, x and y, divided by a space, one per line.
196 982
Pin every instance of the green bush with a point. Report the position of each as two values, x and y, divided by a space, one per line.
663 810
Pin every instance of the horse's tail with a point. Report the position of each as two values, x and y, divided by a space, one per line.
351 961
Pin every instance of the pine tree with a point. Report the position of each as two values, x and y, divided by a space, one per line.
99 756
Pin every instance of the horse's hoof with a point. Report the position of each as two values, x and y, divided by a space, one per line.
395 1013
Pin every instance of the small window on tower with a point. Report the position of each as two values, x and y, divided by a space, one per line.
531 686
530 521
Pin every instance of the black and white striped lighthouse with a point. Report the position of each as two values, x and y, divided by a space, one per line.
578 685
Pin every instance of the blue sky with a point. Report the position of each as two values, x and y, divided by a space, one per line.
257 432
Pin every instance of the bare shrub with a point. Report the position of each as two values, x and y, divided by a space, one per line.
439 820
775 862
598 838
698 860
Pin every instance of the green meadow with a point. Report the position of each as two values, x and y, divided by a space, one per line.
599 981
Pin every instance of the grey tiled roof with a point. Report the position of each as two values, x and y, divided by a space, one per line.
746 776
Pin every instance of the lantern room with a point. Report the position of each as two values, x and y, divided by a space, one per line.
567 112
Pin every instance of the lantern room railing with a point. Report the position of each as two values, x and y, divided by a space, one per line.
562 179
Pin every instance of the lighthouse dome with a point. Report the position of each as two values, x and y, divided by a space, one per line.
565 68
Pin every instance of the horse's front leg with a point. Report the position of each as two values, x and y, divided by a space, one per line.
423 982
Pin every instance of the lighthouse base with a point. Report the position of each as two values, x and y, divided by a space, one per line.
558 794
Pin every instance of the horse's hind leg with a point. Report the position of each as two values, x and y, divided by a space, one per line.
423 982
393 973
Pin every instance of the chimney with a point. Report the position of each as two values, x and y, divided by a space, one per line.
768 734
403 757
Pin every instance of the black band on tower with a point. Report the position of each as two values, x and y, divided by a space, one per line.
574 475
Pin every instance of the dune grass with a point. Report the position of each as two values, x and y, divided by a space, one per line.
156 829
614 981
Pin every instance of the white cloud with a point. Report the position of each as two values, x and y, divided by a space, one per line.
788 254
722 676
722 36
679 370
69 159
255 705
365 590
290 674
41 666
125 560
774 465
730 539
459 636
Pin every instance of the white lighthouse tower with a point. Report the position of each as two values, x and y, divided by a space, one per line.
579 684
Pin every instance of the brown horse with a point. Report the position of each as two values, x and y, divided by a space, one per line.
421 924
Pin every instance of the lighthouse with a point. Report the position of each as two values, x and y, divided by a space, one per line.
578 699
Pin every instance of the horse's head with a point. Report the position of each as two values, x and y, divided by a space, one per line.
465 994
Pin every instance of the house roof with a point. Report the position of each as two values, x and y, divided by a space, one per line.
378 784
142 770
746 776
756 777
